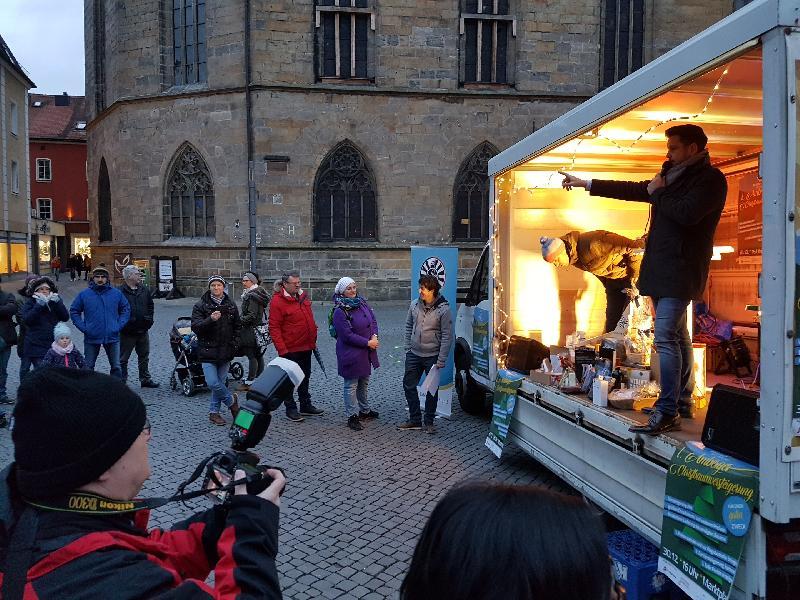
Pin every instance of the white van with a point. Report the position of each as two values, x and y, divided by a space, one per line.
738 80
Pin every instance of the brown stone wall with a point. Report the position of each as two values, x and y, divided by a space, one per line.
383 274
414 125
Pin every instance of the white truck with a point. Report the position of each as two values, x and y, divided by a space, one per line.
739 80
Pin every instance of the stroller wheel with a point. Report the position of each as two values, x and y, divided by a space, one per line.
236 370
187 385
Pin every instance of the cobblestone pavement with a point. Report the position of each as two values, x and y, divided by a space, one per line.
355 502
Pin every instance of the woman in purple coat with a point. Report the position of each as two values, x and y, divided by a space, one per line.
356 349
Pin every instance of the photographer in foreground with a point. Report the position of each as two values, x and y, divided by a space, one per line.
69 527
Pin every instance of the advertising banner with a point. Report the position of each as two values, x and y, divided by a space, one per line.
480 341
750 223
442 263
708 504
505 397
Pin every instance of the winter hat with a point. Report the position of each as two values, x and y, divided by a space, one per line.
62 330
251 276
24 289
551 247
219 278
85 432
342 285
130 270
100 270
38 282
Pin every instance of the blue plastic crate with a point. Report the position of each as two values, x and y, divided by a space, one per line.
635 562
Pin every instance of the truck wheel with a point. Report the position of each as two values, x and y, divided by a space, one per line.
471 396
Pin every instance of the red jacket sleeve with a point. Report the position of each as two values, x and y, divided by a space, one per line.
275 320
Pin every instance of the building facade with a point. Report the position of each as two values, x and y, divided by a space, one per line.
59 190
15 236
331 135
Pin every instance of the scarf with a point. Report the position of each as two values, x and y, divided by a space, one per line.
249 290
216 300
678 171
347 303
62 351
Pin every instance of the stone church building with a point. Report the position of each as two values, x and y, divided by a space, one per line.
331 135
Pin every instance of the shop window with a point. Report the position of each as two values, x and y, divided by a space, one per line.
44 208
44 169
104 203
471 196
623 39
486 30
14 118
344 197
14 177
189 41
19 257
189 202
344 30
4 268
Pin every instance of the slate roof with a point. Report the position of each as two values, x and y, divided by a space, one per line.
8 56
49 121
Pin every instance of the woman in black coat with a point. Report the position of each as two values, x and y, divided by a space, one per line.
43 309
215 320
255 300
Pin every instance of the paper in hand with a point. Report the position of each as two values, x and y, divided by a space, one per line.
431 383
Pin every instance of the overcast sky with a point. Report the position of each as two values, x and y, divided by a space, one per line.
46 37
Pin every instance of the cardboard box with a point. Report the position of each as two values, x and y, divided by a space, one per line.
543 378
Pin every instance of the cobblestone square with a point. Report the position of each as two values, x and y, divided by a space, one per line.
355 502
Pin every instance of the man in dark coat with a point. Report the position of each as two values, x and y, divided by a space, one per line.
80 458
8 337
612 258
687 198
135 336
100 312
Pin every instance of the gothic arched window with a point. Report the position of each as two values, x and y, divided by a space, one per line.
104 204
344 197
471 196
189 202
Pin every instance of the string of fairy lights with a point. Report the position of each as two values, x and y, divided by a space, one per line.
501 338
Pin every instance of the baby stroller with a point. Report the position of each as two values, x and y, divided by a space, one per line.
188 372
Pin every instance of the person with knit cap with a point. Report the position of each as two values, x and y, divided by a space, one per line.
70 523
215 320
43 309
612 258
101 311
63 352
356 331
294 333
25 364
135 335
686 197
255 300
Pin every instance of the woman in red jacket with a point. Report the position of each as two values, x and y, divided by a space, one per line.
294 333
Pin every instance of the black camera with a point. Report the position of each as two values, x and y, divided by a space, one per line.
266 394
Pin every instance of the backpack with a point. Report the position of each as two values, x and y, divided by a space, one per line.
331 328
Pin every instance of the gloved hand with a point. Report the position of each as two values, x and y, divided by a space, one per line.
40 299
54 297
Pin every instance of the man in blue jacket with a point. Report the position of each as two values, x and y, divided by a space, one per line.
100 312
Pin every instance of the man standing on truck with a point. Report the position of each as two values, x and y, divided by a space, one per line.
687 197
612 258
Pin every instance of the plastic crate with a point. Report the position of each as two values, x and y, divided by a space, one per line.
635 563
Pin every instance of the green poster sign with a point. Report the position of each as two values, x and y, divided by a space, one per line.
708 504
505 396
480 341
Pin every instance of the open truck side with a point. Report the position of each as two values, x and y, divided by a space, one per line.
739 81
